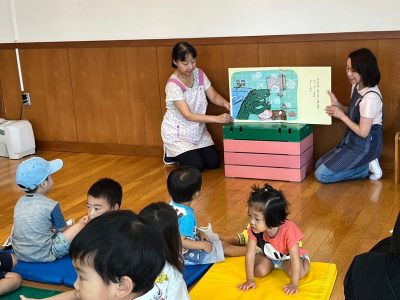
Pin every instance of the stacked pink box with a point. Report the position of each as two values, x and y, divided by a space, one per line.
274 159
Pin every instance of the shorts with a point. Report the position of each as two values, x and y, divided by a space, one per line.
6 264
60 246
198 257
278 264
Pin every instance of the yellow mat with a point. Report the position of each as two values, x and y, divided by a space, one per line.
221 280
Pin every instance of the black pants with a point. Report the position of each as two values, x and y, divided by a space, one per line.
203 158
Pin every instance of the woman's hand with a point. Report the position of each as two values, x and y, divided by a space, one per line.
290 289
245 286
223 118
334 100
335 111
227 105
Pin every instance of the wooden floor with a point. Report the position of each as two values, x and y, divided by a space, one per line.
338 220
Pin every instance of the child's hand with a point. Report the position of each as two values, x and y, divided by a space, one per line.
290 289
84 220
207 246
245 286
203 236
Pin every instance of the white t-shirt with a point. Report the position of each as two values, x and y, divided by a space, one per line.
154 294
371 104
172 284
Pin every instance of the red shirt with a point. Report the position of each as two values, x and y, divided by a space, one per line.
278 247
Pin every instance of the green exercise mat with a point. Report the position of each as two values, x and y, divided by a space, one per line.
267 131
29 292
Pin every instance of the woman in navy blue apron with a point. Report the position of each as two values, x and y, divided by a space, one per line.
357 154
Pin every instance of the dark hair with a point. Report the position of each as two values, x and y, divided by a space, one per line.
162 217
117 244
395 241
183 183
108 189
272 202
181 51
363 61
34 190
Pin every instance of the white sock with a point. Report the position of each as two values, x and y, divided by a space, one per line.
375 169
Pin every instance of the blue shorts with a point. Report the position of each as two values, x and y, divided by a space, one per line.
60 246
198 257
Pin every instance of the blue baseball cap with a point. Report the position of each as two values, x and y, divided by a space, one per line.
32 172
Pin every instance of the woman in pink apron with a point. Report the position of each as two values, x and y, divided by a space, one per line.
183 129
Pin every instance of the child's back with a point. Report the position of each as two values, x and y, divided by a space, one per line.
40 232
33 221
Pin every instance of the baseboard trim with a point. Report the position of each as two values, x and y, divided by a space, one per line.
101 148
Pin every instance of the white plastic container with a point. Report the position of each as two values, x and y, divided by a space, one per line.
16 139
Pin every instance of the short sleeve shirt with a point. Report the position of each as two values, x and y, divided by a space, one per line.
371 105
278 247
186 220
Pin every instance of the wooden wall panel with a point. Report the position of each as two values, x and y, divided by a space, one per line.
116 95
389 63
47 78
9 85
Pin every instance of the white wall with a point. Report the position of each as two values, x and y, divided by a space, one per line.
85 20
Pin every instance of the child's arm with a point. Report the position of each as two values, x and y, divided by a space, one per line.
201 245
292 287
250 256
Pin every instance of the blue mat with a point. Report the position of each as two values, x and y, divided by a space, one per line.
61 271
191 274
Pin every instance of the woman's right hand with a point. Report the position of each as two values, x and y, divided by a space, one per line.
223 118
334 100
245 286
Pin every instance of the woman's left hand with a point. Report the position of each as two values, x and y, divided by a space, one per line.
335 111
227 105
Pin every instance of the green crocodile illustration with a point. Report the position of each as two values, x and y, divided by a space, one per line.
255 102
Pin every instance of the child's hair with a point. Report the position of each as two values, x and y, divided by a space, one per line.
181 50
163 218
108 189
183 183
117 244
272 202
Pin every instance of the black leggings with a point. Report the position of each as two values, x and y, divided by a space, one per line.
203 158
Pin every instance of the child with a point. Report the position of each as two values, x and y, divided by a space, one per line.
279 239
104 195
117 256
9 281
184 185
163 218
35 214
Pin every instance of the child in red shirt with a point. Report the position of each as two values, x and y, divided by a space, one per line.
279 239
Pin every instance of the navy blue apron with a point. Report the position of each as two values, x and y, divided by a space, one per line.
355 151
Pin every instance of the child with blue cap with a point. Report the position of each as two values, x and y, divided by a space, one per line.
40 233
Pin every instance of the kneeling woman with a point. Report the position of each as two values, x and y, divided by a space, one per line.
357 154
183 130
